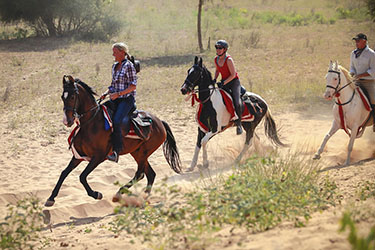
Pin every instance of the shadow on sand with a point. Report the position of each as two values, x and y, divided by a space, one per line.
346 166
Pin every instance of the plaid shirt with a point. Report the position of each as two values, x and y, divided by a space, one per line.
121 79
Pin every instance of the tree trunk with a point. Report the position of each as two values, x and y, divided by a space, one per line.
199 26
48 21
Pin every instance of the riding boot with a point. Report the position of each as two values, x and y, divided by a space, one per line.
117 145
239 126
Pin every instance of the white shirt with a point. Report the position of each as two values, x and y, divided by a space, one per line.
364 63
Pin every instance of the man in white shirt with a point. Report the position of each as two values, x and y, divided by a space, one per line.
362 67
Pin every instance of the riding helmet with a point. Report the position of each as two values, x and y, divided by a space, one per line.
222 43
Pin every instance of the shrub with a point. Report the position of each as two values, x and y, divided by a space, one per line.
91 18
357 242
21 226
258 196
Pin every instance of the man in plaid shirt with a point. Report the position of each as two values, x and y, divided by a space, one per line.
122 93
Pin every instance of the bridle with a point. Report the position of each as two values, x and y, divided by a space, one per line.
76 115
337 89
192 84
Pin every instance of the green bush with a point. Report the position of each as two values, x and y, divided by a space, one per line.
258 196
21 226
357 242
352 13
97 20
292 19
367 191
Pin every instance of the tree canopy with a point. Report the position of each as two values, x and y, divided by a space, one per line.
371 7
86 18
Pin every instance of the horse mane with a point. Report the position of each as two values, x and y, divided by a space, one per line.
346 73
207 72
86 87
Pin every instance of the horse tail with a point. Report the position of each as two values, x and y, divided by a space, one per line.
170 150
271 131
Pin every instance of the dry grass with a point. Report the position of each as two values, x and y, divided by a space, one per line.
287 65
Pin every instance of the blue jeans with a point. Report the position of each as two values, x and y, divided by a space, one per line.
121 118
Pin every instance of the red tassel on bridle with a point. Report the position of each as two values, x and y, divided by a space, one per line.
194 98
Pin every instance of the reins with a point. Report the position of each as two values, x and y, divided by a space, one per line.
195 91
194 95
79 116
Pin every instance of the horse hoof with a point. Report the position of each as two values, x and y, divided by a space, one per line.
204 166
49 203
116 198
191 169
46 217
316 157
98 196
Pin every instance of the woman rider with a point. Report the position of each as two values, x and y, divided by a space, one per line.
122 93
229 78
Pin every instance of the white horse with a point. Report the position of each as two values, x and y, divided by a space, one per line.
351 110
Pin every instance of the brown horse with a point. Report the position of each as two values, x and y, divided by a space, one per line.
92 141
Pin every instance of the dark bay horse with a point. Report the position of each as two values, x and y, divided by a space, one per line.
93 143
213 116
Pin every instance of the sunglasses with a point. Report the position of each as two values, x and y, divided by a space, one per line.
219 47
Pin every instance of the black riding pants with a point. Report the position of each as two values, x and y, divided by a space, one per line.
234 87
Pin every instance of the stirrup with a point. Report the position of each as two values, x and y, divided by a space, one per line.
113 157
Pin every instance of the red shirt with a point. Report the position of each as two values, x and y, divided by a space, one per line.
224 70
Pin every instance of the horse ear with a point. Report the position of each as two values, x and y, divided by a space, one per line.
196 60
71 79
336 65
200 62
330 65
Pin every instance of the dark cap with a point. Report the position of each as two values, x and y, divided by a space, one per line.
360 36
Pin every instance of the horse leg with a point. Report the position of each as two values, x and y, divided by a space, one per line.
353 136
72 165
196 152
331 132
83 177
205 140
139 175
150 174
249 135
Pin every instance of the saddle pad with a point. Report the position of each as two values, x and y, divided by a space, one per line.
367 105
228 101
107 118
140 123
71 145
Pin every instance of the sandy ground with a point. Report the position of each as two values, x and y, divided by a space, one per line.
36 170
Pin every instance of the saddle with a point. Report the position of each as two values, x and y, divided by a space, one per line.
252 103
250 106
140 121
368 89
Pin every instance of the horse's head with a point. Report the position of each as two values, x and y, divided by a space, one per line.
333 80
70 99
195 74
78 100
